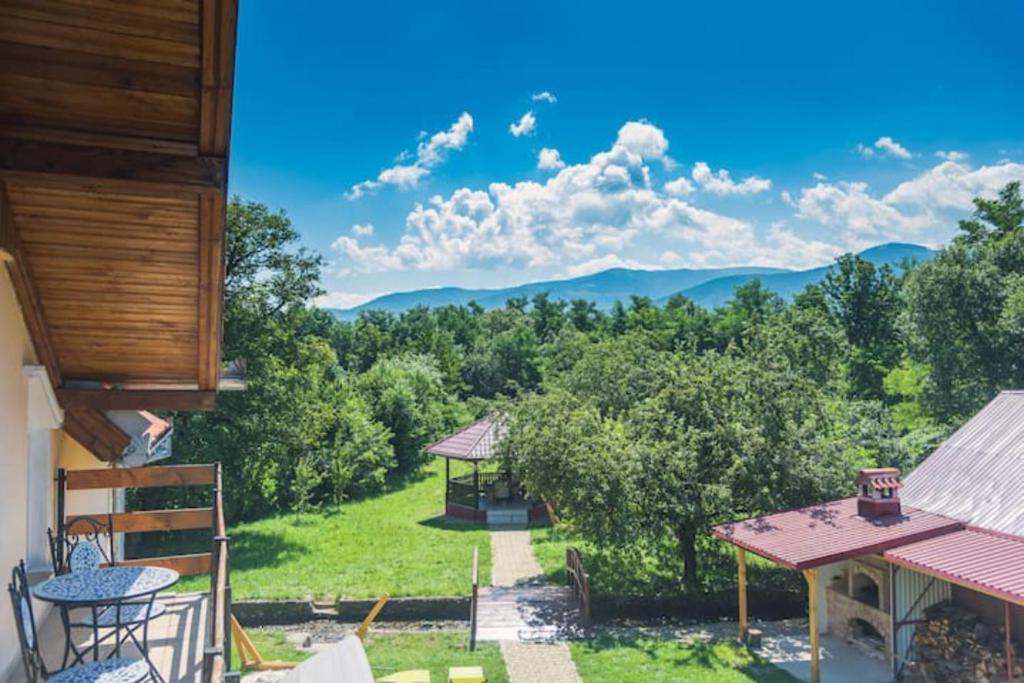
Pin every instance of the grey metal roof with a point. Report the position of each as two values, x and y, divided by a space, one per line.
478 441
977 475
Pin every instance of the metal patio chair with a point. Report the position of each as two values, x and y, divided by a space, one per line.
120 669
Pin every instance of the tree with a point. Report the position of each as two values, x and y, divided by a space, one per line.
865 302
752 304
965 307
406 395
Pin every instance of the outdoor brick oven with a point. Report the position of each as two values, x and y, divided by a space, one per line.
858 609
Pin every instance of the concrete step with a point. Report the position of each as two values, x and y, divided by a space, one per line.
508 518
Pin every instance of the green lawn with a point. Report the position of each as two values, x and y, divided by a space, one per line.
397 542
437 651
653 572
631 658
273 646
391 652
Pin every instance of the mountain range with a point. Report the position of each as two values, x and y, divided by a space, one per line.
709 287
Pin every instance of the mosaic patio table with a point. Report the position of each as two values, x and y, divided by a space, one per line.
117 597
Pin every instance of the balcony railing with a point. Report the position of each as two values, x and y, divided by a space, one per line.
217 656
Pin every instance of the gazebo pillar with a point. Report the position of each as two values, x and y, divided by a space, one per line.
476 484
741 571
811 575
447 481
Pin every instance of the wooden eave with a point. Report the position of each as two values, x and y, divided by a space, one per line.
114 141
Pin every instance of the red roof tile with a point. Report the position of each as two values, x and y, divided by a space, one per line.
829 532
985 561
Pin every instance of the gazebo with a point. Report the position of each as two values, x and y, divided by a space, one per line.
491 495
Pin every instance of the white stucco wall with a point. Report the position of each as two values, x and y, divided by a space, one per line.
15 353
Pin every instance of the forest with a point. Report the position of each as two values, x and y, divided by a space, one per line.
642 425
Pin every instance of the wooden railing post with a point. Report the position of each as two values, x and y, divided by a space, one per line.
474 597
579 582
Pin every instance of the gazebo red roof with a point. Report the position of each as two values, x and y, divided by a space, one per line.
476 442
829 532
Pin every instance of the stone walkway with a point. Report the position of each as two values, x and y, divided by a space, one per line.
539 662
531 620
512 559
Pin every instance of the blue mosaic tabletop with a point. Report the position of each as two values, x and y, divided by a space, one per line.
106 585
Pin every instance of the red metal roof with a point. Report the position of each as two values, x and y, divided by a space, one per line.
985 561
829 532
475 442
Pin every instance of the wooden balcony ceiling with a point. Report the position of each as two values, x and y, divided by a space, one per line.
114 129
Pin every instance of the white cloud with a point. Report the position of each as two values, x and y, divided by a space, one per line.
430 153
344 299
582 213
362 229
550 160
819 176
643 139
544 96
884 145
860 218
680 187
526 124
721 183
952 155
953 185
892 148
596 265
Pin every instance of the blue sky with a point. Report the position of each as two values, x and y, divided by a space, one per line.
687 135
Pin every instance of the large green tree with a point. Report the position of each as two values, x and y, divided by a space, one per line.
965 313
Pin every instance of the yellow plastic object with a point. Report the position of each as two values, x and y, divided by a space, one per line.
466 674
250 656
365 626
415 676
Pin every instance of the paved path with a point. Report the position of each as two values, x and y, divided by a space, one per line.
530 619
539 663
512 559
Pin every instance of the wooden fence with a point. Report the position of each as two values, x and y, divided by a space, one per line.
217 652
579 581
474 598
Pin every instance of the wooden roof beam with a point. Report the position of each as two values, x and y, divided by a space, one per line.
96 433
137 399
25 291
113 170
219 22
6 227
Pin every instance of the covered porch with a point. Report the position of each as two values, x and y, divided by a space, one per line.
819 541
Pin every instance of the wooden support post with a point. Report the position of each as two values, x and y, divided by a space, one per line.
476 486
811 575
1008 627
741 570
447 481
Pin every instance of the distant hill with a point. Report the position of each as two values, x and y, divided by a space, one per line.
716 292
709 287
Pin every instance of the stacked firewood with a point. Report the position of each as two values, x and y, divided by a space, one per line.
955 646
